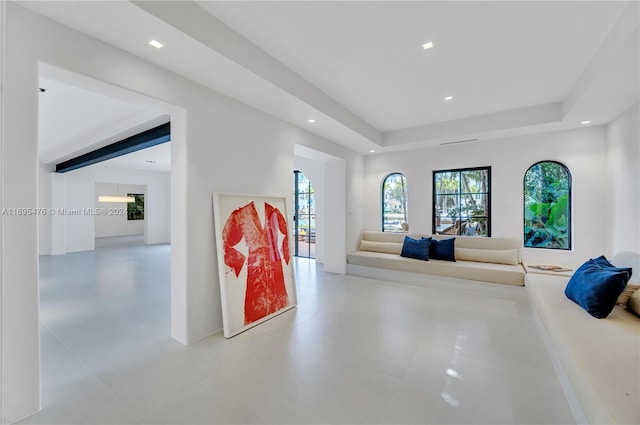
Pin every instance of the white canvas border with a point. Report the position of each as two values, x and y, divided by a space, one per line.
218 199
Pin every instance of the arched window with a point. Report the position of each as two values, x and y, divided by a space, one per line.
394 203
547 206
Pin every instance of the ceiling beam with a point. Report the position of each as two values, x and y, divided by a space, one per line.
192 20
146 139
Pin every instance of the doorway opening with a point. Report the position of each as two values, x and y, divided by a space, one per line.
304 219
100 307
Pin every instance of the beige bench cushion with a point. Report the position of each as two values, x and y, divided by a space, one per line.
601 356
466 242
634 302
487 272
374 246
628 259
498 256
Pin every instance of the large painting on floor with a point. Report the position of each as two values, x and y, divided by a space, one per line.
254 259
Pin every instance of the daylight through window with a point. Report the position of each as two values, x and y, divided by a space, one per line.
547 206
135 210
304 219
394 203
462 202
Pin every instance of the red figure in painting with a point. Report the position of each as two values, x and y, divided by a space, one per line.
266 291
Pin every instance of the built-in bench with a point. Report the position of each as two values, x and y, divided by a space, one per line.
599 359
494 260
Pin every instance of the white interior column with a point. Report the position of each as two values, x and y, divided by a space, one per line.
335 259
179 298
19 337
2 385
57 220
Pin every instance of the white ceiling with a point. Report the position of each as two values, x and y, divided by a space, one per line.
491 56
359 69
73 120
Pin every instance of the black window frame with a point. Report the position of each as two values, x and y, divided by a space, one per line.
309 236
459 194
382 193
569 207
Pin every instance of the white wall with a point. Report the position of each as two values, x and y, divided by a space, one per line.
218 144
116 222
19 345
75 191
336 204
2 381
45 193
623 182
79 230
582 151
267 170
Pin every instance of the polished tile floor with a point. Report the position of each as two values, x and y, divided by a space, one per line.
356 351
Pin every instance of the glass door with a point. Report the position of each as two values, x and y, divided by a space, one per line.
304 220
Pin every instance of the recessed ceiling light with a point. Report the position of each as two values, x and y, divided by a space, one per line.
585 122
448 98
372 151
311 121
156 44
453 373
427 45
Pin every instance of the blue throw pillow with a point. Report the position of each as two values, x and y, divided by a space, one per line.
603 262
443 249
415 248
595 287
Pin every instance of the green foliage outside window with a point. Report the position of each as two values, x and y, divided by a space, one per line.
135 210
461 201
394 202
547 206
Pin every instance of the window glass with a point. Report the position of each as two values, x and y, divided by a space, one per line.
394 203
304 220
547 206
135 210
461 202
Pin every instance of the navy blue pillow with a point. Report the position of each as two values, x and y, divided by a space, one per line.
596 288
443 249
415 248
603 262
